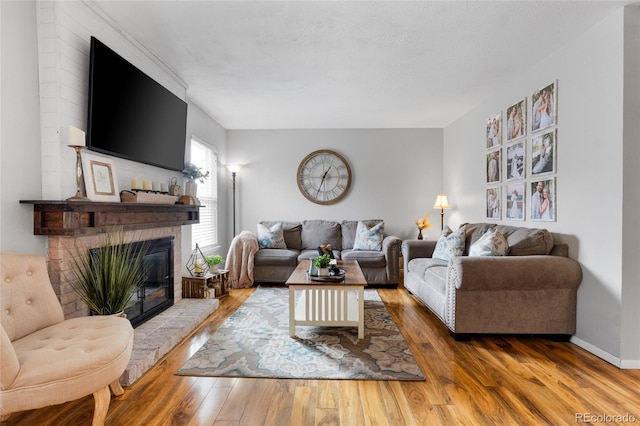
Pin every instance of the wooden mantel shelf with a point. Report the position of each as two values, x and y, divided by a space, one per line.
73 218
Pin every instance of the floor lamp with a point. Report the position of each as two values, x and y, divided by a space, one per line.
441 203
234 168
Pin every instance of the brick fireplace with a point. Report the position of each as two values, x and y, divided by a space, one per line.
62 248
67 223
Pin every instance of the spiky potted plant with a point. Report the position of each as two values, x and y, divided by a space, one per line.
107 278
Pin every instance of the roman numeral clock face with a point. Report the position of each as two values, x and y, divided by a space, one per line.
324 177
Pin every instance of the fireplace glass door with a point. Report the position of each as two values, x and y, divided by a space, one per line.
156 293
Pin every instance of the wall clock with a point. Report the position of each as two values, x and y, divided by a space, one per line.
324 177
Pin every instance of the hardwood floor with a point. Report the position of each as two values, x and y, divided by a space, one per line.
484 381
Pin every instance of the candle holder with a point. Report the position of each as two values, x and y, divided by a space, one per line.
79 177
197 264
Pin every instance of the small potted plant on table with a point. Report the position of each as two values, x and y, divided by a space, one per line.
214 262
320 265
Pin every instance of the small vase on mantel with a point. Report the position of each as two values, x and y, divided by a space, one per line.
191 188
420 234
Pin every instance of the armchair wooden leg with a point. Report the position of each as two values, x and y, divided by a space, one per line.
116 388
102 399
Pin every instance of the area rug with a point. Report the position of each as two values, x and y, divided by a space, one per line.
255 342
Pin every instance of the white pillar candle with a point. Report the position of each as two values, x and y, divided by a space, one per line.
146 185
76 137
163 187
135 183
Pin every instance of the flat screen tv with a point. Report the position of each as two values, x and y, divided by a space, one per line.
132 116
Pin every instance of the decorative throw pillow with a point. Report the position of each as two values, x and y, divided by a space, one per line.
492 243
450 244
369 238
271 237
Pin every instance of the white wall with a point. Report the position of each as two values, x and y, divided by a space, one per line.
397 174
64 33
630 343
589 153
20 177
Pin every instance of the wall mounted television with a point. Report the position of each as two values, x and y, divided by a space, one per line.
131 115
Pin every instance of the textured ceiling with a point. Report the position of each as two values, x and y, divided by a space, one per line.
333 64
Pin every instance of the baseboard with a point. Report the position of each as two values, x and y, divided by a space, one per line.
596 351
624 364
611 359
630 364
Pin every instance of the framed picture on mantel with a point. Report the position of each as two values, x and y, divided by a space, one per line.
100 178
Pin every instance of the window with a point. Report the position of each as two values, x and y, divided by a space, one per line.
205 233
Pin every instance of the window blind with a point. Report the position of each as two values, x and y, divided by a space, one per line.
205 233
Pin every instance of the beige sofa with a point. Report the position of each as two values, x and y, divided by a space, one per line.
47 360
275 265
530 291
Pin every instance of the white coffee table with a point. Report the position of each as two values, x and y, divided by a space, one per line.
327 304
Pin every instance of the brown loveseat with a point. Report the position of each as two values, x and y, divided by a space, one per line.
47 360
532 290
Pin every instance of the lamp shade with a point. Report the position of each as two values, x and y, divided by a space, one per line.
234 168
441 202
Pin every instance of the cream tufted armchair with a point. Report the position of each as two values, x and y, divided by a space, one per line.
46 359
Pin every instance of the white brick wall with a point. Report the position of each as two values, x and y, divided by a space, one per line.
64 32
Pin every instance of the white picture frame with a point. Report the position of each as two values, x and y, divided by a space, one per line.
100 179
516 121
516 160
493 204
543 153
515 204
544 99
493 165
493 131
538 189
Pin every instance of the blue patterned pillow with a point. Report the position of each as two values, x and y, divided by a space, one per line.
492 243
450 244
369 238
271 237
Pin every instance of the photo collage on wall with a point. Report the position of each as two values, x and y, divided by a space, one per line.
520 160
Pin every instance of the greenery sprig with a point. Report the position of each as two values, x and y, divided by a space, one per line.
191 171
322 261
214 259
